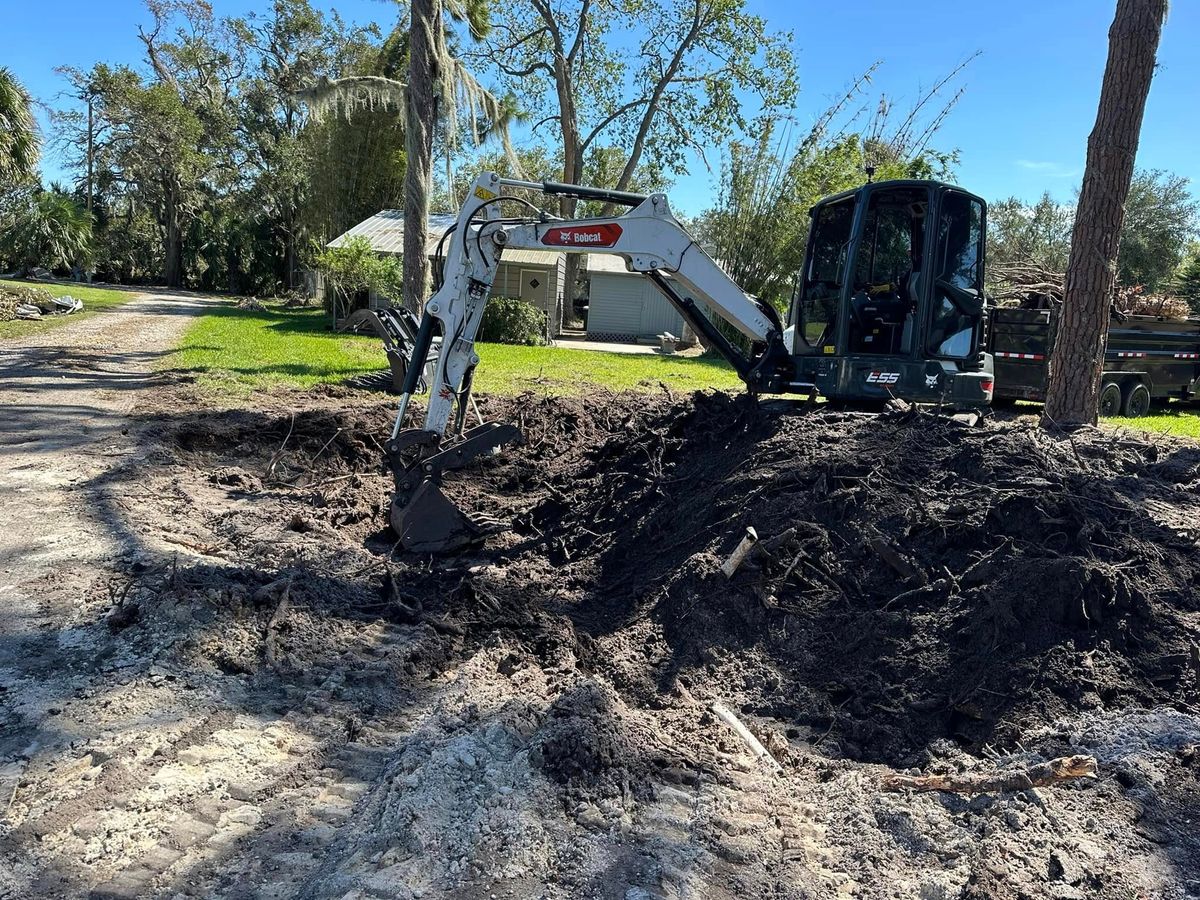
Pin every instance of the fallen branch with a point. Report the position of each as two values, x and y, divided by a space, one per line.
902 567
1064 768
203 549
278 454
760 752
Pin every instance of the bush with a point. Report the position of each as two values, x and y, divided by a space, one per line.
509 320
354 267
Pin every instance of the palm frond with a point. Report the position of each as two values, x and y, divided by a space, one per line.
19 144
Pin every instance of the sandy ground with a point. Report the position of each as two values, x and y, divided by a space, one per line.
214 683
65 395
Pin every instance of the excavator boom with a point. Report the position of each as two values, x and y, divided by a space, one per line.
651 241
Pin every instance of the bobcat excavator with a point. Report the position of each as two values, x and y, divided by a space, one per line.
889 303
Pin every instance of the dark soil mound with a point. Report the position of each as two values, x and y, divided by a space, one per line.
919 578
916 579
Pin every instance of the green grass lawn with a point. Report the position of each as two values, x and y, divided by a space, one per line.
94 300
236 351
1176 419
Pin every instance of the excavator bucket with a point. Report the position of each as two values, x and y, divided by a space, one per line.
423 517
397 328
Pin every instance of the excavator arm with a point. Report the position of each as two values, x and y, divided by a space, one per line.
650 240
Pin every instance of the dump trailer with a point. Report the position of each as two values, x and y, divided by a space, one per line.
1148 359
890 305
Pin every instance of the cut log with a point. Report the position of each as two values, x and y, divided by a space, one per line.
1064 768
899 564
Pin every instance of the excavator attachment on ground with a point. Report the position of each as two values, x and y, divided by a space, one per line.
889 305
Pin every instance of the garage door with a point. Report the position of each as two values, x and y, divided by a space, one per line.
629 306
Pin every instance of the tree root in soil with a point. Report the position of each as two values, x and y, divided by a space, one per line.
1064 768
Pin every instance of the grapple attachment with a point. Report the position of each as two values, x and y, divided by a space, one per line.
423 517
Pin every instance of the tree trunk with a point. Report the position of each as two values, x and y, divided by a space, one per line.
1077 360
420 114
173 249
568 120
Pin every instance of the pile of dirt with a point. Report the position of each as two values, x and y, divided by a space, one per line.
534 717
918 578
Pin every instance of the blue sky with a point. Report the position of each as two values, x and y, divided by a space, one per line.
1021 126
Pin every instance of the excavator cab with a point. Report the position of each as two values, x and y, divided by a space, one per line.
890 299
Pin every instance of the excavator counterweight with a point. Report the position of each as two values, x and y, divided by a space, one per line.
889 304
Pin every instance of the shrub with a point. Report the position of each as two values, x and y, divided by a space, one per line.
509 320
353 267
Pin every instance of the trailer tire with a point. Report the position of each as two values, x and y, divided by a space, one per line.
1137 401
1110 399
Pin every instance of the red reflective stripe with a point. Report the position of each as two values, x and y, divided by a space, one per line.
1034 356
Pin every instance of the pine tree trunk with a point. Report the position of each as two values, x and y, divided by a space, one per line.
418 176
1077 361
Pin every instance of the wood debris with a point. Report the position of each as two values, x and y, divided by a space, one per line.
1064 768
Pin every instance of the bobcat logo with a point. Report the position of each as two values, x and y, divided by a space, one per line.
931 381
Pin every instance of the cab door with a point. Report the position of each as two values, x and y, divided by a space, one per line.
955 318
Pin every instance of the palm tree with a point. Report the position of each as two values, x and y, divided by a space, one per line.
438 86
18 131
52 230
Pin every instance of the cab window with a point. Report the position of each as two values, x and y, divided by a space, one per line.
958 287
887 272
815 314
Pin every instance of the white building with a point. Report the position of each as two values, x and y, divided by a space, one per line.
626 306
533 275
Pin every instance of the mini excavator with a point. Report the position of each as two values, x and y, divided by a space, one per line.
889 304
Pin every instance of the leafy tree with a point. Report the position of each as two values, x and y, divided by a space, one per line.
51 230
1187 283
353 267
1160 218
1077 358
164 144
290 47
356 160
18 132
759 226
439 86
673 80
647 79
155 156
1038 234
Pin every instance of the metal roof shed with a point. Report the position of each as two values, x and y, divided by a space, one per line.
532 275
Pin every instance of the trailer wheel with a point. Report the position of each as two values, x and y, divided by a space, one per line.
1110 399
1137 401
